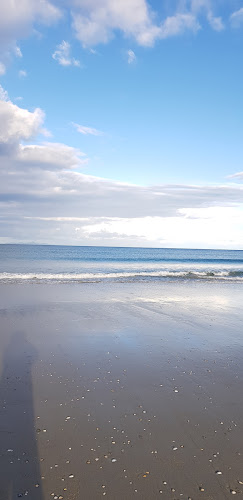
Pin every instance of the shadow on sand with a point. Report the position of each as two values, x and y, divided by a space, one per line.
19 463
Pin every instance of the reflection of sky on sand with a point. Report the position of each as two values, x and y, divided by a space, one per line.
212 302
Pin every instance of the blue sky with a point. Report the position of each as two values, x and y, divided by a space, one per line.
139 100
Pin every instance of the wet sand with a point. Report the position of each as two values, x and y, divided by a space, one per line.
123 390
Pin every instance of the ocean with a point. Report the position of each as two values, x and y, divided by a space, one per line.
49 263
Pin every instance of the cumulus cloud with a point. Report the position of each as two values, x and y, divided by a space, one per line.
96 22
236 18
87 130
62 55
17 124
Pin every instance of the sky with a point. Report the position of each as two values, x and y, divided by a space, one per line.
121 123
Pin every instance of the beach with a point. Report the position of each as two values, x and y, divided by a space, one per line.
122 390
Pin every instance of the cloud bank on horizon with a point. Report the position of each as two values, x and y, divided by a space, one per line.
46 194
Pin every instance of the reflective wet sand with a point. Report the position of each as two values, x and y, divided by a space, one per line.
121 390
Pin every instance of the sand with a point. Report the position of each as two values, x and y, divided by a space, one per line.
123 390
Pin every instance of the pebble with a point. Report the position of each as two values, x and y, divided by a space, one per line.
218 472
114 460
233 492
71 476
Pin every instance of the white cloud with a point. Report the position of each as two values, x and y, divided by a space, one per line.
131 57
236 18
238 175
215 22
87 130
17 123
178 24
96 22
39 190
2 69
3 94
18 19
63 55
220 226
22 73
206 6
50 156
18 52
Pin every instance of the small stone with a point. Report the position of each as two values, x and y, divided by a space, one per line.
233 492
114 460
218 472
201 488
71 476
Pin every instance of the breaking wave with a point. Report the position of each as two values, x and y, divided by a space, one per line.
226 275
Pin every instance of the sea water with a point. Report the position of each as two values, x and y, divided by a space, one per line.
52 263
